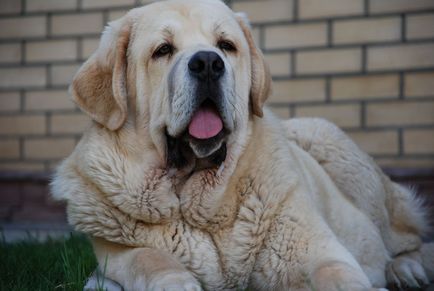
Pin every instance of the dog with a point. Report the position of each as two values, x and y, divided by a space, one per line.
186 181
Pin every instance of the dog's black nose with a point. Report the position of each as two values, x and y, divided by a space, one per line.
206 65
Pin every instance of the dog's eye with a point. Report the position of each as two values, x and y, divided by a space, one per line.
226 45
162 50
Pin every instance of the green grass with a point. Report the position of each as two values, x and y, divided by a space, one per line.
52 265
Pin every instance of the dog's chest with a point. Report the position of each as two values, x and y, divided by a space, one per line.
233 249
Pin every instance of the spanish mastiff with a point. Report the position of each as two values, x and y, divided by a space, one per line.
185 181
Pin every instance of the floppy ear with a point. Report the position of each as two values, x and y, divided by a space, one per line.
260 76
99 87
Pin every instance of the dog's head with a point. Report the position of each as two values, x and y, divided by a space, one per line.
186 72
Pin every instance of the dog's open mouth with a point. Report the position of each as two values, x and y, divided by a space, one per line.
203 142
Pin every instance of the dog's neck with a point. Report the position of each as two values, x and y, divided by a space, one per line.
209 197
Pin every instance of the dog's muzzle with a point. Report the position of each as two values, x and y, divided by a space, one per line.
204 136
207 68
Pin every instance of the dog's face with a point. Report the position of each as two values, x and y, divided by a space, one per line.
186 70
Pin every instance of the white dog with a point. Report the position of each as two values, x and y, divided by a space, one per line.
185 182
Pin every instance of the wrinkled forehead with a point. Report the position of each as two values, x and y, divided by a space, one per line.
187 22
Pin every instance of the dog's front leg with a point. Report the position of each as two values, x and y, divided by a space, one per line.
141 268
335 275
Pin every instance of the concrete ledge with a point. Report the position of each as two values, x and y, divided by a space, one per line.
14 232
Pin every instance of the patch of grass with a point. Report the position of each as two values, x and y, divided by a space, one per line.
52 265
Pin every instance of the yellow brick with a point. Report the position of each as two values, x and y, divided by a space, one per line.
48 100
321 8
62 74
419 141
282 111
13 125
22 77
116 14
328 61
365 87
50 5
89 45
21 27
48 148
401 57
10 53
385 6
342 115
298 35
367 30
256 35
10 6
10 101
69 123
77 24
376 142
52 50
265 10
105 3
400 113
22 166
420 26
279 63
9 149
298 90
406 163
419 84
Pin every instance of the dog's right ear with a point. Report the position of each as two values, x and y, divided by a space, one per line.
99 87
260 74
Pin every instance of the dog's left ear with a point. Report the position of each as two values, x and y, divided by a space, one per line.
99 87
260 76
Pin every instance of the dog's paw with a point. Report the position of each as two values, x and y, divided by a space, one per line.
174 281
404 271
98 282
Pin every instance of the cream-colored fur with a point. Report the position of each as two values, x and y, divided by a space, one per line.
294 206
393 208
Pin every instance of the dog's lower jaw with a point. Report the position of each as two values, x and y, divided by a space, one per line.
182 155
216 159
204 150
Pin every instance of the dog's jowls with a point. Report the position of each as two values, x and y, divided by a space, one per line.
185 181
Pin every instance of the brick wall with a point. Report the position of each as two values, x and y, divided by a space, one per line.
367 65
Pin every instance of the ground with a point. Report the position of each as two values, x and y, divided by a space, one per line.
53 265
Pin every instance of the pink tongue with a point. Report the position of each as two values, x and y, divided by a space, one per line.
206 123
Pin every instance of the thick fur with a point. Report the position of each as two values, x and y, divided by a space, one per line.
294 205
393 208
